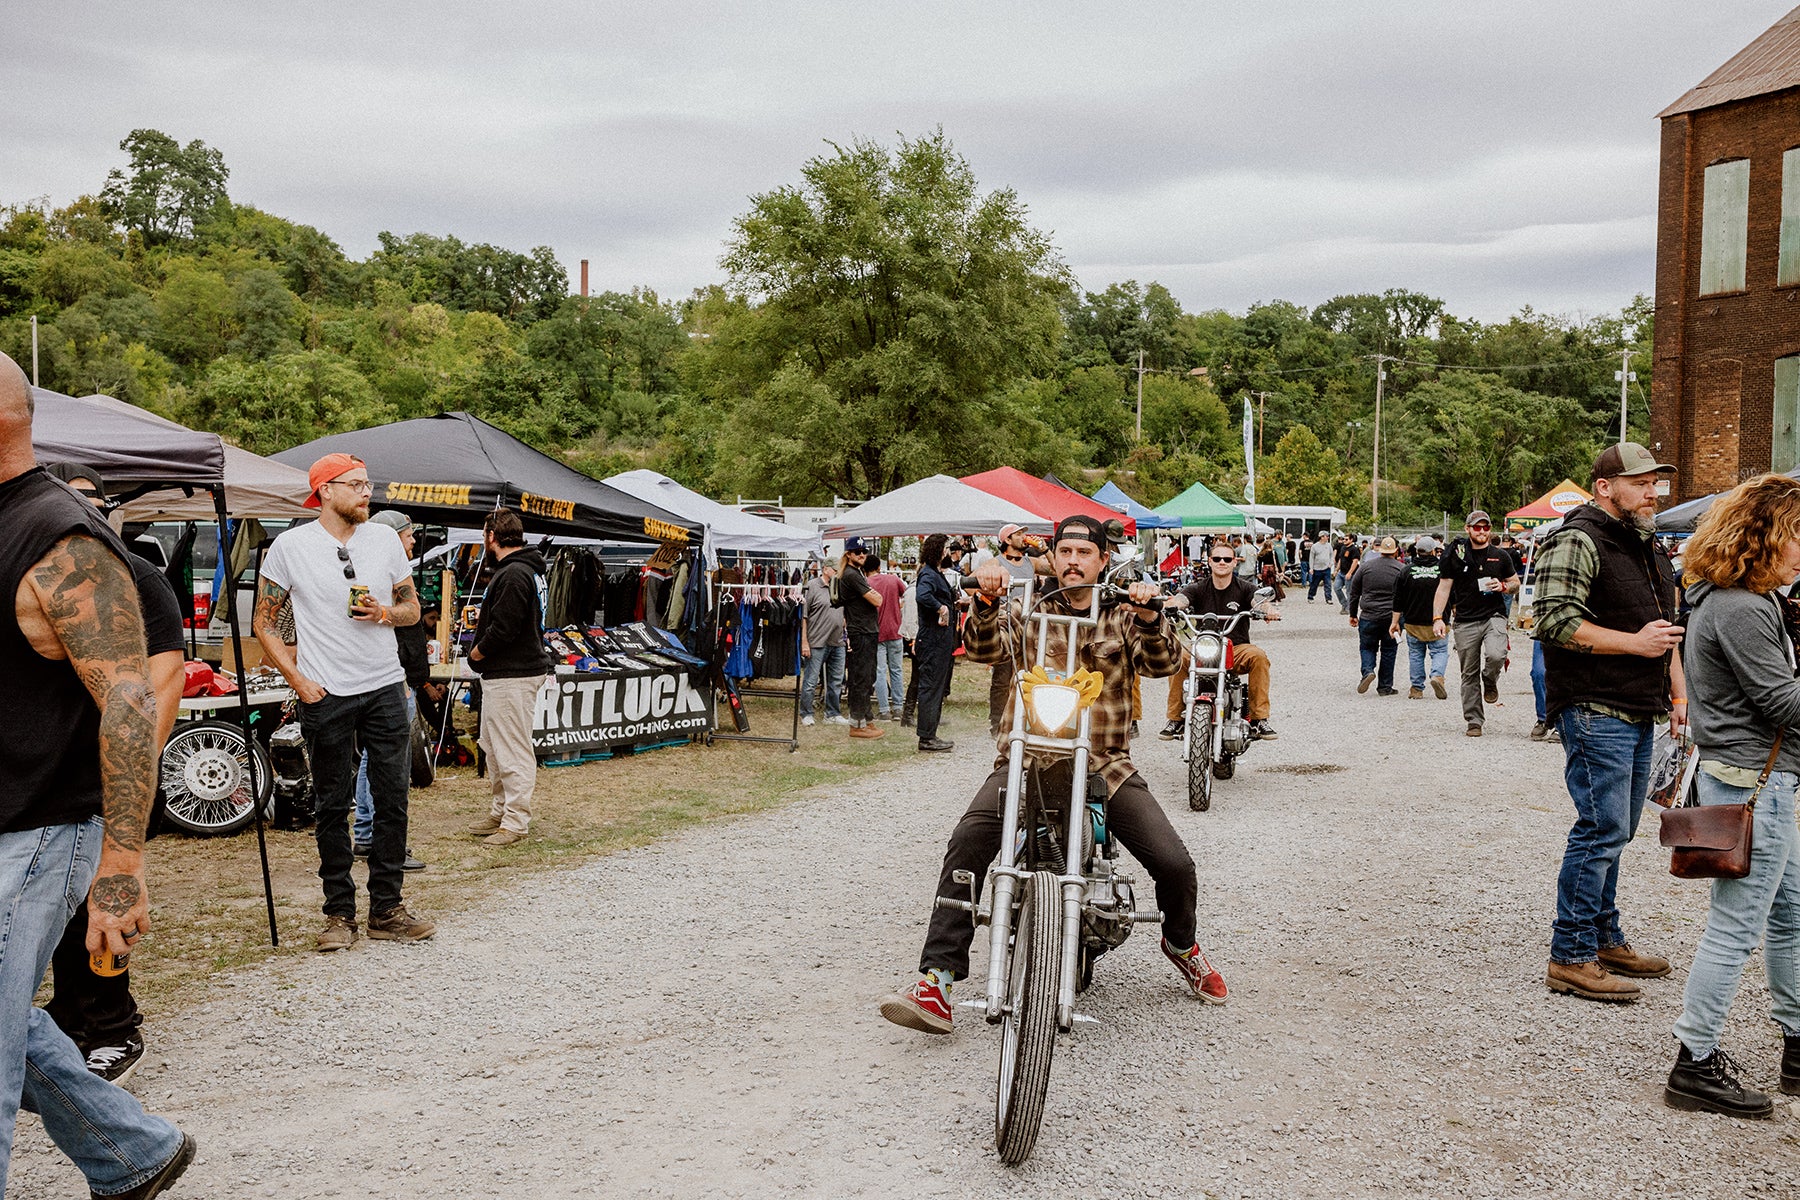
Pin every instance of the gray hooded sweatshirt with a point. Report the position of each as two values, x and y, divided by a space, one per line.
1740 678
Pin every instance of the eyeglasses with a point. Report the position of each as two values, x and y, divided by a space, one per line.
1483 528
360 486
349 567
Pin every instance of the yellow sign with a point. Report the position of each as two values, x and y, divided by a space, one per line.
663 531
428 493
543 506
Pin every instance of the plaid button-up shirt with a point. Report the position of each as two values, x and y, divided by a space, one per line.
1118 647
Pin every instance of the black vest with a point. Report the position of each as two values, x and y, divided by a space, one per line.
49 725
1635 586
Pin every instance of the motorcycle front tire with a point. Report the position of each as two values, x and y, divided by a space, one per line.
1199 764
1028 1029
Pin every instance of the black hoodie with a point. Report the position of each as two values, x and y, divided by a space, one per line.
510 633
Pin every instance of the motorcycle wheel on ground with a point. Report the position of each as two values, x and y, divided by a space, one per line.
206 779
1225 768
1028 1028
1200 766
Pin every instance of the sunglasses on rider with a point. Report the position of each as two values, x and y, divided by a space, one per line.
1231 558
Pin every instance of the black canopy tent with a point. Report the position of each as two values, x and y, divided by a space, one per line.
453 469
135 451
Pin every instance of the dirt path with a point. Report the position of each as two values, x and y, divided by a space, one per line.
697 1019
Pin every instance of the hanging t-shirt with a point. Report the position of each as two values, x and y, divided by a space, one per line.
345 656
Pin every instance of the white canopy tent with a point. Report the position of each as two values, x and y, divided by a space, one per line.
938 504
727 528
254 487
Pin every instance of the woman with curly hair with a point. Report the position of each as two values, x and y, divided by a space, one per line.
1744 694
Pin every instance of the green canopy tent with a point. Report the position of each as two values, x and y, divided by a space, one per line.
1198 508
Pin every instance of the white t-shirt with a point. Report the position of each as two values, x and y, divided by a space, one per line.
345 656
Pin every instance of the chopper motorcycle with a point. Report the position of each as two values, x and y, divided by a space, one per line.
1215 700
1057 899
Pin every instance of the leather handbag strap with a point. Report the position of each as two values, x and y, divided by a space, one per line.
1768 768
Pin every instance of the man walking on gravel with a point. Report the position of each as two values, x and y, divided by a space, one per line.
510 655
350 584
861 604
1414 595
1136 640
1318 556
1372 615
77 778
1604 610
1474 578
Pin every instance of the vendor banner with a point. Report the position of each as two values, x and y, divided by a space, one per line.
590 710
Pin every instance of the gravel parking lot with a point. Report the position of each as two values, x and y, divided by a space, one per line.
698 1018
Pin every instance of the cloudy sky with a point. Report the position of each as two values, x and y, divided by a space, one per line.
1496 154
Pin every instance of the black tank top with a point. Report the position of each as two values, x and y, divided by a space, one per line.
49 725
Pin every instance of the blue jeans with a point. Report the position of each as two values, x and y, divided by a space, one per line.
362 828
1377 648
1762 908
1607 769
1416 654
1320 579
829 659
890 683
1343 590
44 878
1537 677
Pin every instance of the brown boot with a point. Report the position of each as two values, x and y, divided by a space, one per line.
487 825
1623 960
866 731
1590 981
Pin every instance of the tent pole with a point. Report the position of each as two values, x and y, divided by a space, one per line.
237 650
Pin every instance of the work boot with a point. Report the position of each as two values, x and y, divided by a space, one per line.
1415 693
1474 729
1590 981
1708 1085
1790 1064
866 731
1437 687
1490 690
339 934
485 826
1623 960
936 745
908 711
398 925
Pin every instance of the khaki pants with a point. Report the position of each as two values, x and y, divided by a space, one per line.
507 707
1246 660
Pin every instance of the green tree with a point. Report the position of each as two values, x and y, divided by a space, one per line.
169 190
292 398
479 278
1302 471
1483 444
896 301
194 312
264 312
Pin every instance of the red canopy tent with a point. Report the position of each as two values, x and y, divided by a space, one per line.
1052 501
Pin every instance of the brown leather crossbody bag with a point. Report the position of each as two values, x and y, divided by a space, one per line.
1713 841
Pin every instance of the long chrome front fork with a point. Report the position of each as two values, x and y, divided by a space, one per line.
1073 882
1006 874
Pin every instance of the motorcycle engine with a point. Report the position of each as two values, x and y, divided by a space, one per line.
1234 737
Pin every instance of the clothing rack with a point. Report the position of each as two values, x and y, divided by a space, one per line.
764 591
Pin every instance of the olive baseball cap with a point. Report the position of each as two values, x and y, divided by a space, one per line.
1627 458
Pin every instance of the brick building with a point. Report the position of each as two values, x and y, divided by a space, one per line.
1725 394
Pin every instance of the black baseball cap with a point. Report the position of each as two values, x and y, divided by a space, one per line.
1083 528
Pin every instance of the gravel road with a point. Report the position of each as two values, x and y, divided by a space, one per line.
698 1018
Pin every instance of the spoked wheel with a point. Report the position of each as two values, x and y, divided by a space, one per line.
1028 1030
1199 764
206 779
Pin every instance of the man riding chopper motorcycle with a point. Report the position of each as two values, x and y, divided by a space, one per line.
1128 639
1224 593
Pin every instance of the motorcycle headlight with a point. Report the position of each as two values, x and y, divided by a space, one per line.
1207 649
1053 706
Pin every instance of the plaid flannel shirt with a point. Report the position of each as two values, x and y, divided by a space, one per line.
1119 647
1565 568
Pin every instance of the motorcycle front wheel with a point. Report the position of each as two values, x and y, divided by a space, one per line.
1028 1029
1199 765
206 779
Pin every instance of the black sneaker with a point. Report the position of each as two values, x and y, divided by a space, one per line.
159 1182
115 1063
359 850
1173 730
1709 1085
936 745
1790 1064
1262 731
1540 731
411 862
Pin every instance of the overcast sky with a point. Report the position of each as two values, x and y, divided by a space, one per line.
1493 154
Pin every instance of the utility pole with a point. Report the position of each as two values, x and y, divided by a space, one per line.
34 377
1140 395
1262 402
1381 362
1626 377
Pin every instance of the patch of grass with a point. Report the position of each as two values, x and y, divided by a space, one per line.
207 897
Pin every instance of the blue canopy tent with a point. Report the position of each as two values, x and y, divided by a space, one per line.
1113 496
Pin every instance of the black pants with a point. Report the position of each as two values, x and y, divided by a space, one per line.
931 672
94 1010
1136 819
861 670
336 729
1000 686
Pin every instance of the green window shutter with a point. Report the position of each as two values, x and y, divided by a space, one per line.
1724 226
1784 442
1789 269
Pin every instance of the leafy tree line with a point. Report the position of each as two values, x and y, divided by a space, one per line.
880 320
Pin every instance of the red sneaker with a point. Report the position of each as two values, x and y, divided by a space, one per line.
1206 983
923 1007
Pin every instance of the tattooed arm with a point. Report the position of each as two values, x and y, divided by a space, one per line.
405 608
90 604
269 597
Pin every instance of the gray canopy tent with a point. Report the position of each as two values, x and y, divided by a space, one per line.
139 453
